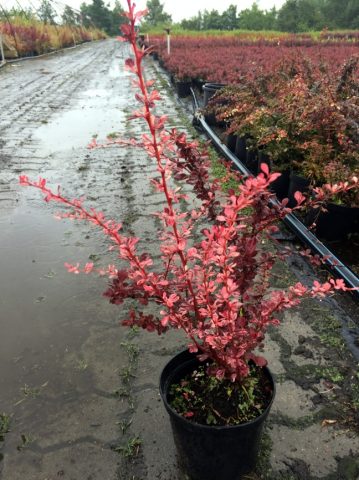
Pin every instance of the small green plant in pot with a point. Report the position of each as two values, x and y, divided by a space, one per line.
214 286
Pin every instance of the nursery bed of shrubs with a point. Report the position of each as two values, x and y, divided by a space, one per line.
230 58
29 37
292 102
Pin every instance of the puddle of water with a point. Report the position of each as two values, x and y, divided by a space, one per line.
116 70
97 113
43 308
46 314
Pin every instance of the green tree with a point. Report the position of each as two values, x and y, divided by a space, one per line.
304 15
18 12
97 14
46 13
193 23
311 15
288 16
342 13
252 18
229 18
270 19
156 14
117 18
212 20
69 16
352 15
294 16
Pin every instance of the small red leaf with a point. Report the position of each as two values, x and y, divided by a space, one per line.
265 169
299 197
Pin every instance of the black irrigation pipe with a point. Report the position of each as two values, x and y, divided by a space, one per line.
333 263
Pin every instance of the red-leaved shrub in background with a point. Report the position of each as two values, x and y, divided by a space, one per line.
214 285
303 119
230 59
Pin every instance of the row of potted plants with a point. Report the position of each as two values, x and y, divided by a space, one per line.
228 59
28 37
213 284
295 109
303 123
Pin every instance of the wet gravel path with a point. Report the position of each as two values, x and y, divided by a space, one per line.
60 353
81 392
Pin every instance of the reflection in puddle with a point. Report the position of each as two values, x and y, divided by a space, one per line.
97 113
47 316
70 130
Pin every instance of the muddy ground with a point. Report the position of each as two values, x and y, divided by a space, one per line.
79 394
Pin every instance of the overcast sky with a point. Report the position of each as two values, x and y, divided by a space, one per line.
179 9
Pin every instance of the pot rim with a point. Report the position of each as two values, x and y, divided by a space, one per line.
163 387
213 86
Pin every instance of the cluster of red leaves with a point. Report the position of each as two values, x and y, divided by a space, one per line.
304 120
229 59
215 287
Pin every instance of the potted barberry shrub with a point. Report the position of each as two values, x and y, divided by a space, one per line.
340 218
212 285
183 84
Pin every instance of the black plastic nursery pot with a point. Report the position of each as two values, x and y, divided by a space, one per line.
280 186
211 452
241 149
336 223
231 141
183 88
209 89
297 183
251 161
198 83
248 156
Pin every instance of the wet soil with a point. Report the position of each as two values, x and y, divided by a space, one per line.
80 391
58 369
